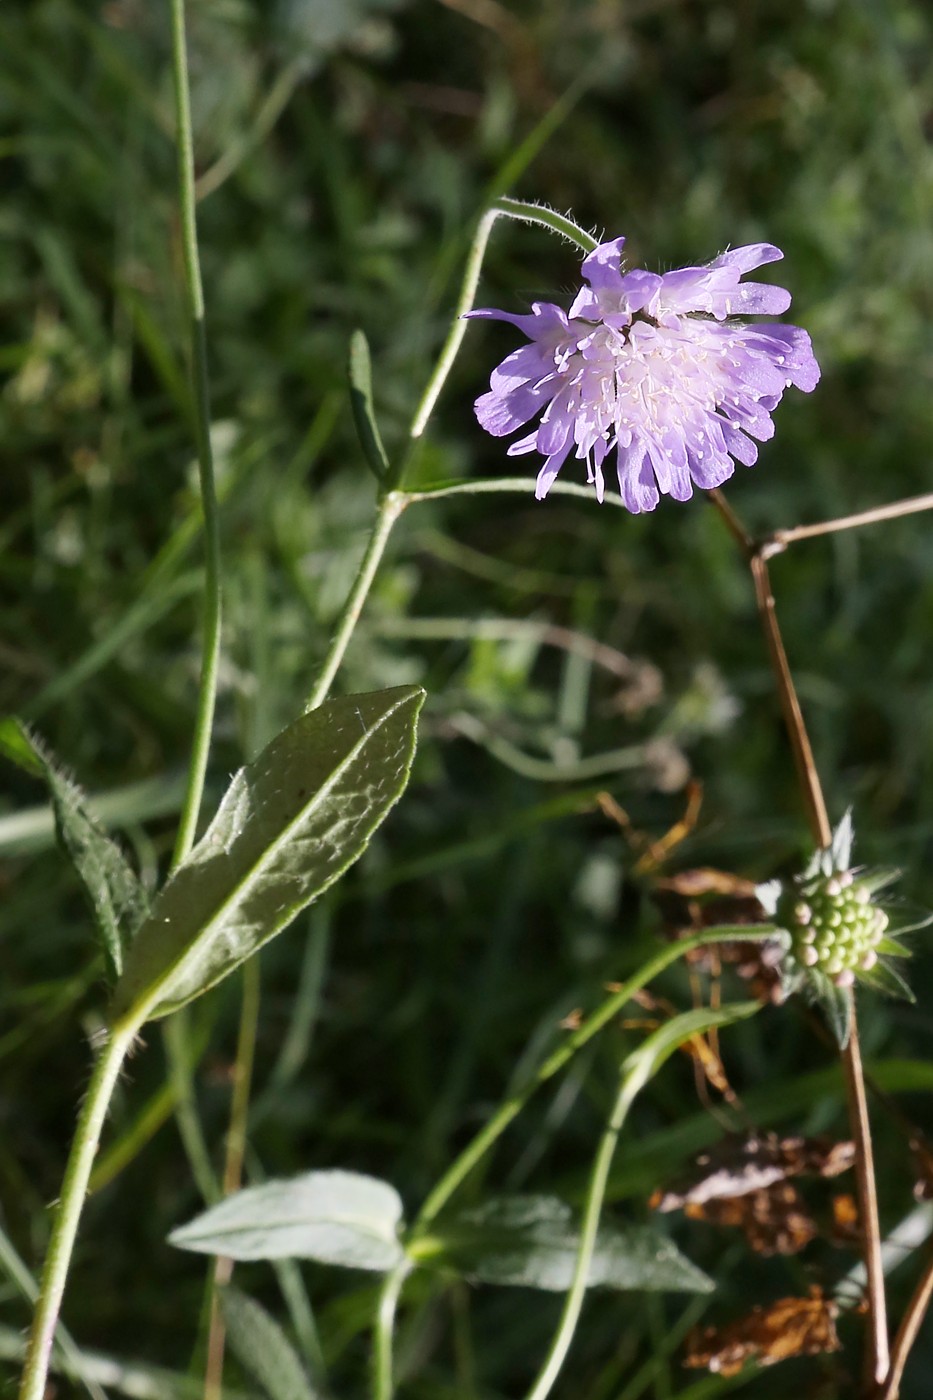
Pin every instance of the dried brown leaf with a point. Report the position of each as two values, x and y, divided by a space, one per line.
774 1221
786 1328
736 1166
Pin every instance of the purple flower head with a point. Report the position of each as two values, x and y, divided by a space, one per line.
656 368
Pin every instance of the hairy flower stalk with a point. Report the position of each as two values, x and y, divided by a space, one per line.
657 369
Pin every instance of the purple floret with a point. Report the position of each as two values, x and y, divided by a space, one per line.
653 367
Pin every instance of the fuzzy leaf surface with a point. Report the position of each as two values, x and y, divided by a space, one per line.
533 1242
117 900
335 1217
289 825
262 1348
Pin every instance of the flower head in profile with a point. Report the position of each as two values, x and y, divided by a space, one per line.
659 374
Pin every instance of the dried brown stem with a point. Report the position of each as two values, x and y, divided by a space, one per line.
807 776
877 1361
780 539
907 1334
233 1166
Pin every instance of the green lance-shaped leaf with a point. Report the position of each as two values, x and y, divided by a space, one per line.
289 825
262 1348
116 899
533 1242
361 401
335 1217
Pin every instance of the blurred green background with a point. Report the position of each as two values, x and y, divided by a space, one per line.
345 149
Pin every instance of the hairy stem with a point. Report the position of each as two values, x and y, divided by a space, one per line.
68 1210
390 508
210 646
513 209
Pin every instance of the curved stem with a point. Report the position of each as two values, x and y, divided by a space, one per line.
505 486
547 218
210 646
512 209
907 1334
390 508
383 1382
596 1194
68 1210
458 326
493 1129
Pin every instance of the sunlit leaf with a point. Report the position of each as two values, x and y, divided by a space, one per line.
289 825
335 1217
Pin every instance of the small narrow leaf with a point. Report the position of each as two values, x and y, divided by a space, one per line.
644 1062
262 1348
533 1241
835 1003
361 401
875 880
335 1217
16 745
884 978
289 825
117 900
840 847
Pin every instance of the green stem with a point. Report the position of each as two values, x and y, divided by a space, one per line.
210 653
68 1210
513 209
507 485
390 508
512 1106
383 1384
547 218
596 1194
94 1110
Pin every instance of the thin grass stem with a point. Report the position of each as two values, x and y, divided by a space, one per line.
194 295
233 1163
